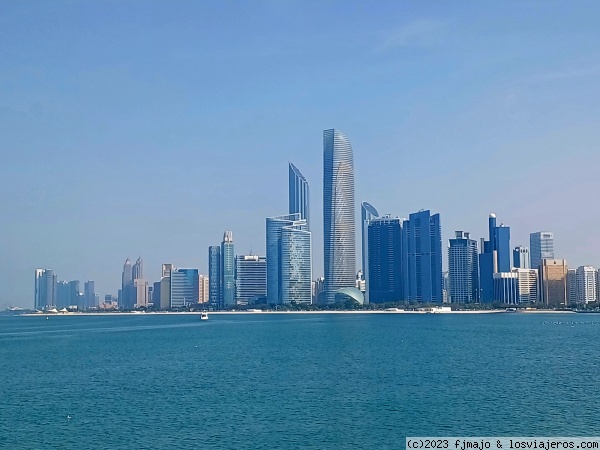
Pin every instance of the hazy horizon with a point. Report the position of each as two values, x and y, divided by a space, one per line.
148 130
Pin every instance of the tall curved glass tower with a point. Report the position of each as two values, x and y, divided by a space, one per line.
339 228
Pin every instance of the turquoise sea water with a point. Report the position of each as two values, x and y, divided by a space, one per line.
338 381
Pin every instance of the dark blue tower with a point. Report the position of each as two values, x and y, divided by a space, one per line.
422 243
495 257
386 282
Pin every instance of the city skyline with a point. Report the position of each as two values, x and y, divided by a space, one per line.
109 145
496 250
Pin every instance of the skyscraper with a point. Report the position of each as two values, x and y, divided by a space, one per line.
62 294
598 285
250 279
553 282
541 244
137 270
74 294
227 270
494 257
141 293
463 269
127 291
45 289
89 294
528 285
586 284
339 229
384 260
165 286
184 287
367 213
204 290
521 257
296 263
214 277
423 258
289 260
156 292
298 194
572 287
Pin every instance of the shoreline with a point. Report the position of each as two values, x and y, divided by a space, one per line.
489 311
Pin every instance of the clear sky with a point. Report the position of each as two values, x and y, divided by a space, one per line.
149 128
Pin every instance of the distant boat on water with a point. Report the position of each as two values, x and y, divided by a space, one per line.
203 315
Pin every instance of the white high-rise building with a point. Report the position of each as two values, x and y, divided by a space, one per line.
586 284
528 285
598 285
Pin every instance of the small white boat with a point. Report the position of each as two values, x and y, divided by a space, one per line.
203 315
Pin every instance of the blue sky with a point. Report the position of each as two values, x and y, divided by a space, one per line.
150 128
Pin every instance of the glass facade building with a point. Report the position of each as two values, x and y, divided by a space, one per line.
296 264
521 257
298 194
184 287
367 213
422 240
541 244
250 279
89 294
127 290
62 294
386 283
214 277
45 289
289 260
137 270
339 228
463 269
495 257
506 288
227 270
